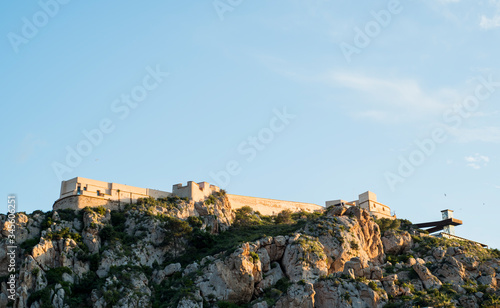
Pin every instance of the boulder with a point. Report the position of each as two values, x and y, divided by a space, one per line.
357 265
396 243
337 211
270 277
298 296
430 281
468 301
451 270
172 269
304 259
336 293
232 279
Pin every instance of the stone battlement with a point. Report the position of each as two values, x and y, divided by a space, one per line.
194 191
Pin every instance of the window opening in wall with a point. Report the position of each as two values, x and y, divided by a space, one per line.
98 192
79 190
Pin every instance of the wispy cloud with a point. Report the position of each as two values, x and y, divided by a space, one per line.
477 161
489 134
392 99
488 23
28 146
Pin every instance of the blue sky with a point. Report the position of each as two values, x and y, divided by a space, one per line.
336 97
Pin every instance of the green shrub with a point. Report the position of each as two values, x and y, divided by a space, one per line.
95 259
284 217
29 244
195 221
245 216
68 214
373 285
223 304
392 224
107 233
41 295
212 199
64 233
37 212
118 220
54 275
201 239
101 210
283 284
47 222
254 256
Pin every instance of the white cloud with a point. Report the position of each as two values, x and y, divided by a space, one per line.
393 99
490 23
485 134
477 161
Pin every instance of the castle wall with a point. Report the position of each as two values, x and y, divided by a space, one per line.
80 192
80 202
157 193
109 191
377 209
271 206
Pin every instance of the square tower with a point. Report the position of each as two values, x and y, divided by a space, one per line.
447 214
367 196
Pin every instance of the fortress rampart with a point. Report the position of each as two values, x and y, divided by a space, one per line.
78 193
80 202
271 206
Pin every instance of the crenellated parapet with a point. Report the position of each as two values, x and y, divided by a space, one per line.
194 191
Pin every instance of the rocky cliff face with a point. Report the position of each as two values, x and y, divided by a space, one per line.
175 253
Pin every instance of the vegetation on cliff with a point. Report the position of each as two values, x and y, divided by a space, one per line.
171 252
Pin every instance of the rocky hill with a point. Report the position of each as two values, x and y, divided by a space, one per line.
175 253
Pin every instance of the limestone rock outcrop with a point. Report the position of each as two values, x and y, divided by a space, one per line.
396 243
187 254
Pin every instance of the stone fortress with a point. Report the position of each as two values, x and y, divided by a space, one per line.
78 193
366 201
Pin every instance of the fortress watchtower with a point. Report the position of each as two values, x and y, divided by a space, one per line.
194 191
367 201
